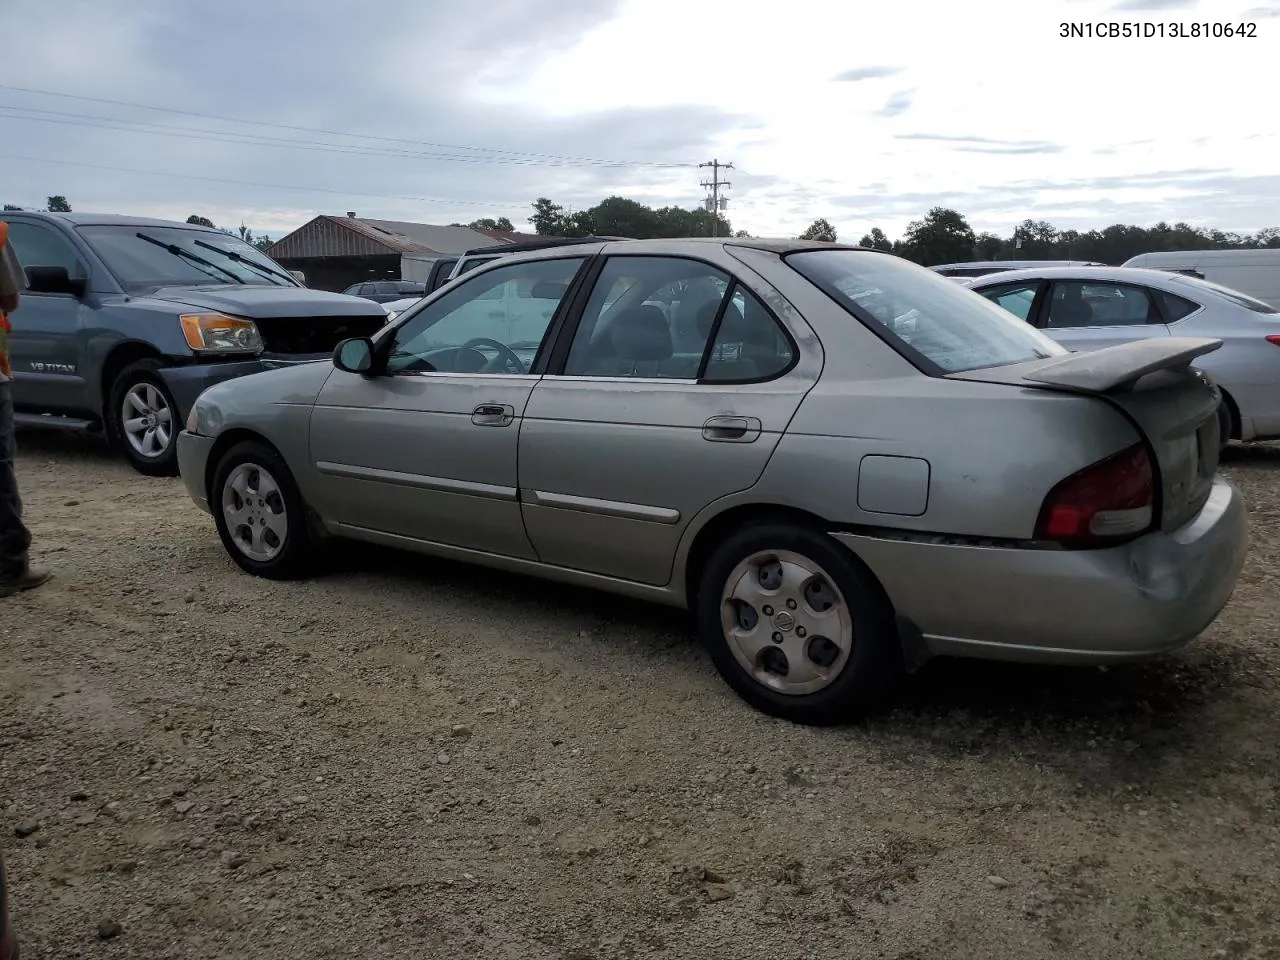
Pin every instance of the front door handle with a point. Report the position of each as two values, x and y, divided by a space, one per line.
731 429
493 415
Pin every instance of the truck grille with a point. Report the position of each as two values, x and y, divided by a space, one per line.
302 335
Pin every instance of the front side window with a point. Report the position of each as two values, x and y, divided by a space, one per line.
1083 303
153 256
941 324
38 246
494 322
1016 298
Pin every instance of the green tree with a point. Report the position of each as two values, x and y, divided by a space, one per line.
10 206
876 240
621 217
987 246
820 229
200 221
548 218
58 204
942 236
488 223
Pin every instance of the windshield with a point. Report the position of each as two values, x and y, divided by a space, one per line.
1235 296
946 324
151 256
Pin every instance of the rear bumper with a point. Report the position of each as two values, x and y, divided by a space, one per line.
1132 602
193 464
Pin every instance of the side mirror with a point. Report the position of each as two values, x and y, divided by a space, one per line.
354 356
54 280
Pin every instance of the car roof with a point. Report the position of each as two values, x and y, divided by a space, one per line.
1118 274
109 219
690 246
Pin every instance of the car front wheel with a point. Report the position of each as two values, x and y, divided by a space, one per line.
259 512
797 626
143 419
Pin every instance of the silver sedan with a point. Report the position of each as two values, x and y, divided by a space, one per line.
1085 308
841 462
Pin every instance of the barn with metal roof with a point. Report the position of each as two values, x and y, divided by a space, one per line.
335 252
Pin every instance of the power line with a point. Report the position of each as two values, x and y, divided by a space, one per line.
269 186
337 133
218 136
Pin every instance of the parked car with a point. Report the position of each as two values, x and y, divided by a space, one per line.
981 268
1086 308
841 461
382 291
126 320
8 939
1255 273
397 307
474 258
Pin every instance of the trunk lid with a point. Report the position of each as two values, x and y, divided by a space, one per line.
1153 383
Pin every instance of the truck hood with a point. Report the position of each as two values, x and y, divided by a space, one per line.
264 302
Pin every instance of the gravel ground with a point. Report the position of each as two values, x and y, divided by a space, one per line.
411 759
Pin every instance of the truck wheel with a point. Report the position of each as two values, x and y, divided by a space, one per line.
260 514
797 626
142 419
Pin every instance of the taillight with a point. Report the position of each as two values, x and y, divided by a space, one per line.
1108 501
1274 338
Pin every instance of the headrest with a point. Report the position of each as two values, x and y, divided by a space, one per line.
641 333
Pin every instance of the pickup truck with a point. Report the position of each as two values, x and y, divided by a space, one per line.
127 320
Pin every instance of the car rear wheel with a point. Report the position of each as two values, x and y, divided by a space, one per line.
259 512
142 419
797 626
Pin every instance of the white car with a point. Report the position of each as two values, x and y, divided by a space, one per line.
396 307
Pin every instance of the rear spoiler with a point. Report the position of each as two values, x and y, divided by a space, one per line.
1118 368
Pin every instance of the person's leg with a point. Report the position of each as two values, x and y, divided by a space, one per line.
15 574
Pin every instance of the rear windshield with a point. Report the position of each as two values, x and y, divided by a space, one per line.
1235 296
937 320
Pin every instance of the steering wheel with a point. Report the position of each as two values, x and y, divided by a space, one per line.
504 353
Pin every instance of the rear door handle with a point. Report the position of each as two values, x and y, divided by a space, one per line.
493 415
731 429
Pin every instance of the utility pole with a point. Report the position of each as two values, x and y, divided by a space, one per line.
714 184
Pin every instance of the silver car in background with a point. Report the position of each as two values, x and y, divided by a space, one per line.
1085 308
842 462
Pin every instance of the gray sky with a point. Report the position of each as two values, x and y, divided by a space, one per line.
440 111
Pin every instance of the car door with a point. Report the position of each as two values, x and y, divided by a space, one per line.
45 346
1091 314
627 437
426 449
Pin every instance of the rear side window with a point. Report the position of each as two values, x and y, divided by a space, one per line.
944 327
1235 296
1174 306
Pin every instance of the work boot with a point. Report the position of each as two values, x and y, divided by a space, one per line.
28 579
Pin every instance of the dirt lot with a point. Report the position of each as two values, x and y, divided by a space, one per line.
408 759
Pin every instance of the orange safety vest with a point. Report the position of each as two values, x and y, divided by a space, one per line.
6 327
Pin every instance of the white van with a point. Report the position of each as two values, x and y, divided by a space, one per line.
1252 272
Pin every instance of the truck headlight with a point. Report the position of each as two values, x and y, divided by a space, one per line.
219 333
192 419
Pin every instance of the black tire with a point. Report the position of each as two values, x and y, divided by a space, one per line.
143 374
1224 423
296 550
873 670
